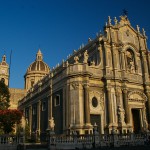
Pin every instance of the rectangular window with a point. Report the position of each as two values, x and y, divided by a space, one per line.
34 110
32 83
43 106
57 100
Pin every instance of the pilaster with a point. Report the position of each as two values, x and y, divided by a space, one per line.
126 106
30 118
38 116
86 104
110 117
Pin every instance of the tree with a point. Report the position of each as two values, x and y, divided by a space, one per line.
4 96
8 119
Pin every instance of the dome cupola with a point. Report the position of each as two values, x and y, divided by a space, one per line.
36 71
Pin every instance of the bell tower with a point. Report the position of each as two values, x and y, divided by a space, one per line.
4 70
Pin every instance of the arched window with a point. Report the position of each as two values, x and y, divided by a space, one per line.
130 61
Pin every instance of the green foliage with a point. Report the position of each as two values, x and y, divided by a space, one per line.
8 119
4 96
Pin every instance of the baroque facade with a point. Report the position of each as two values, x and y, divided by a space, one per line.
104 83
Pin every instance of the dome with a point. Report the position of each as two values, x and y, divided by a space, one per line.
36 71
38 65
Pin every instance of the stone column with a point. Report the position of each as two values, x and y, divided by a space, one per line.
123 60
68 111
50 103
50 106
136 63
145 63
126 106
118 97
38 116
49 109
114 57
86 104
109 100
30 118
106 54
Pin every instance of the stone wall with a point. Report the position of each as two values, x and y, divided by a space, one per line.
15 96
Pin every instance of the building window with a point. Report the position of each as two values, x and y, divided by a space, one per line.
43 106
34 110
57 100
32 83
94 102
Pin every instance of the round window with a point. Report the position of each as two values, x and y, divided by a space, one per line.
94 102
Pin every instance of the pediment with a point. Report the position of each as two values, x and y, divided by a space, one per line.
128 35
137 96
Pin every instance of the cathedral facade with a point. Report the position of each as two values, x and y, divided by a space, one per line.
104 83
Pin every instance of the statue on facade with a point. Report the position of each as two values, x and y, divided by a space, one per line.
86 56
132 68
51 124
130 62
121 114
76 59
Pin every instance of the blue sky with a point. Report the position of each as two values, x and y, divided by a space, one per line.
57 27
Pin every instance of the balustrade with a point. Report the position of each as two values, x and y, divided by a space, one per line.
116 140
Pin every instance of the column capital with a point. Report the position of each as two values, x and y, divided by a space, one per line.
108 88
124 90
86 85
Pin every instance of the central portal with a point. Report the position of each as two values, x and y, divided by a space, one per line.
96 119
136 120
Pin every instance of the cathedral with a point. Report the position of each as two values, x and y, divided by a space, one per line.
104 83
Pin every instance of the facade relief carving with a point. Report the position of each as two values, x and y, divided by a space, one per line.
76 59
75 85
121 115
130 61
96 102
86 56
137 96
